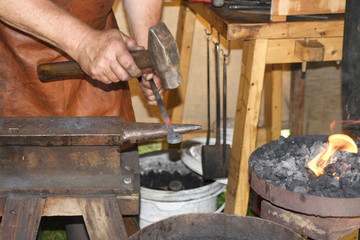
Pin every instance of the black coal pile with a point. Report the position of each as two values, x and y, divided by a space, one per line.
171 181
164 170
283 163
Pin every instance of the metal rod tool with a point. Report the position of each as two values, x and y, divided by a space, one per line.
208 35
172 137
215 158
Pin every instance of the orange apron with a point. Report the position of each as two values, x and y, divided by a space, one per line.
23 94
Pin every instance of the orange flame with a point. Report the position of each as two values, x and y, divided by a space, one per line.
336 142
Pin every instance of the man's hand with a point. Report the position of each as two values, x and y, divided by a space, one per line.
147 90
104 56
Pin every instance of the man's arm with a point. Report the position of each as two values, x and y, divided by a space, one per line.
101 54
141 15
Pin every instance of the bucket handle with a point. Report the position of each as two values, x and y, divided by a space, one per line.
221 208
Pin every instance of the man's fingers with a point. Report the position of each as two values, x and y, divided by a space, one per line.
148 92
131 44
127 63
119 73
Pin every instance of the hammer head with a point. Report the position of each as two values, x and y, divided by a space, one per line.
164 55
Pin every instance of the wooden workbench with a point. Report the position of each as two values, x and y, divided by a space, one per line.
265 43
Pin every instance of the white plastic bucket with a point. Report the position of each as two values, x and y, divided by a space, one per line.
160 204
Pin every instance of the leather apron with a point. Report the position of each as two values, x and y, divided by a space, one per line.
23 94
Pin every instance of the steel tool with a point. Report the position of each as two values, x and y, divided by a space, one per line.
215 158
162 55
208 35
172 137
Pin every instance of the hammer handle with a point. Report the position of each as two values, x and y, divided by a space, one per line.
48 72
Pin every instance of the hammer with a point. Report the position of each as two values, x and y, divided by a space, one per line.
162 55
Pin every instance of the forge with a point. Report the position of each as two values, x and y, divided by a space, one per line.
321 207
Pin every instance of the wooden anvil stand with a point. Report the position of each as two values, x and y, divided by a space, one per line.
96 182
70 167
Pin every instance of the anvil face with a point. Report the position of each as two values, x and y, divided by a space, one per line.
81 131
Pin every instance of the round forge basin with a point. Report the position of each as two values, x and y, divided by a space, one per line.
278 173
214 226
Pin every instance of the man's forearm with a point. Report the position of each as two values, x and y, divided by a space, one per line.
46 21
142 14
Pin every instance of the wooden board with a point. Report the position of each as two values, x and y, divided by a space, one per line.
175 99
246 124
282 8
283 50
235 25
21 217
102 218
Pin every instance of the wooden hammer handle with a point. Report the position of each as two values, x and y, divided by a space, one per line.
48 72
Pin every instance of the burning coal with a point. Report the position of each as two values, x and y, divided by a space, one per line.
284 163
336 142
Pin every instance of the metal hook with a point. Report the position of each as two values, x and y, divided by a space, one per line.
208 34
226 55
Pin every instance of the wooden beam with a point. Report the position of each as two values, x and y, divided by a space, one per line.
21 218
297 95
175 99
273 102
283 50
282 8
102 218
246 124
282 30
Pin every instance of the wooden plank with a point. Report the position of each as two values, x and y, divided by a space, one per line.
262 136
273 102
246 123
297 94
283 30
68 205
235 25
210 16
131 225
304 7
283 50
61 206
21 218
102 218
175 99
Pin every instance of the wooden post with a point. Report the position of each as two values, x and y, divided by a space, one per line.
351 67
272 103
102 218
297 95
246 125
175 99
21 218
